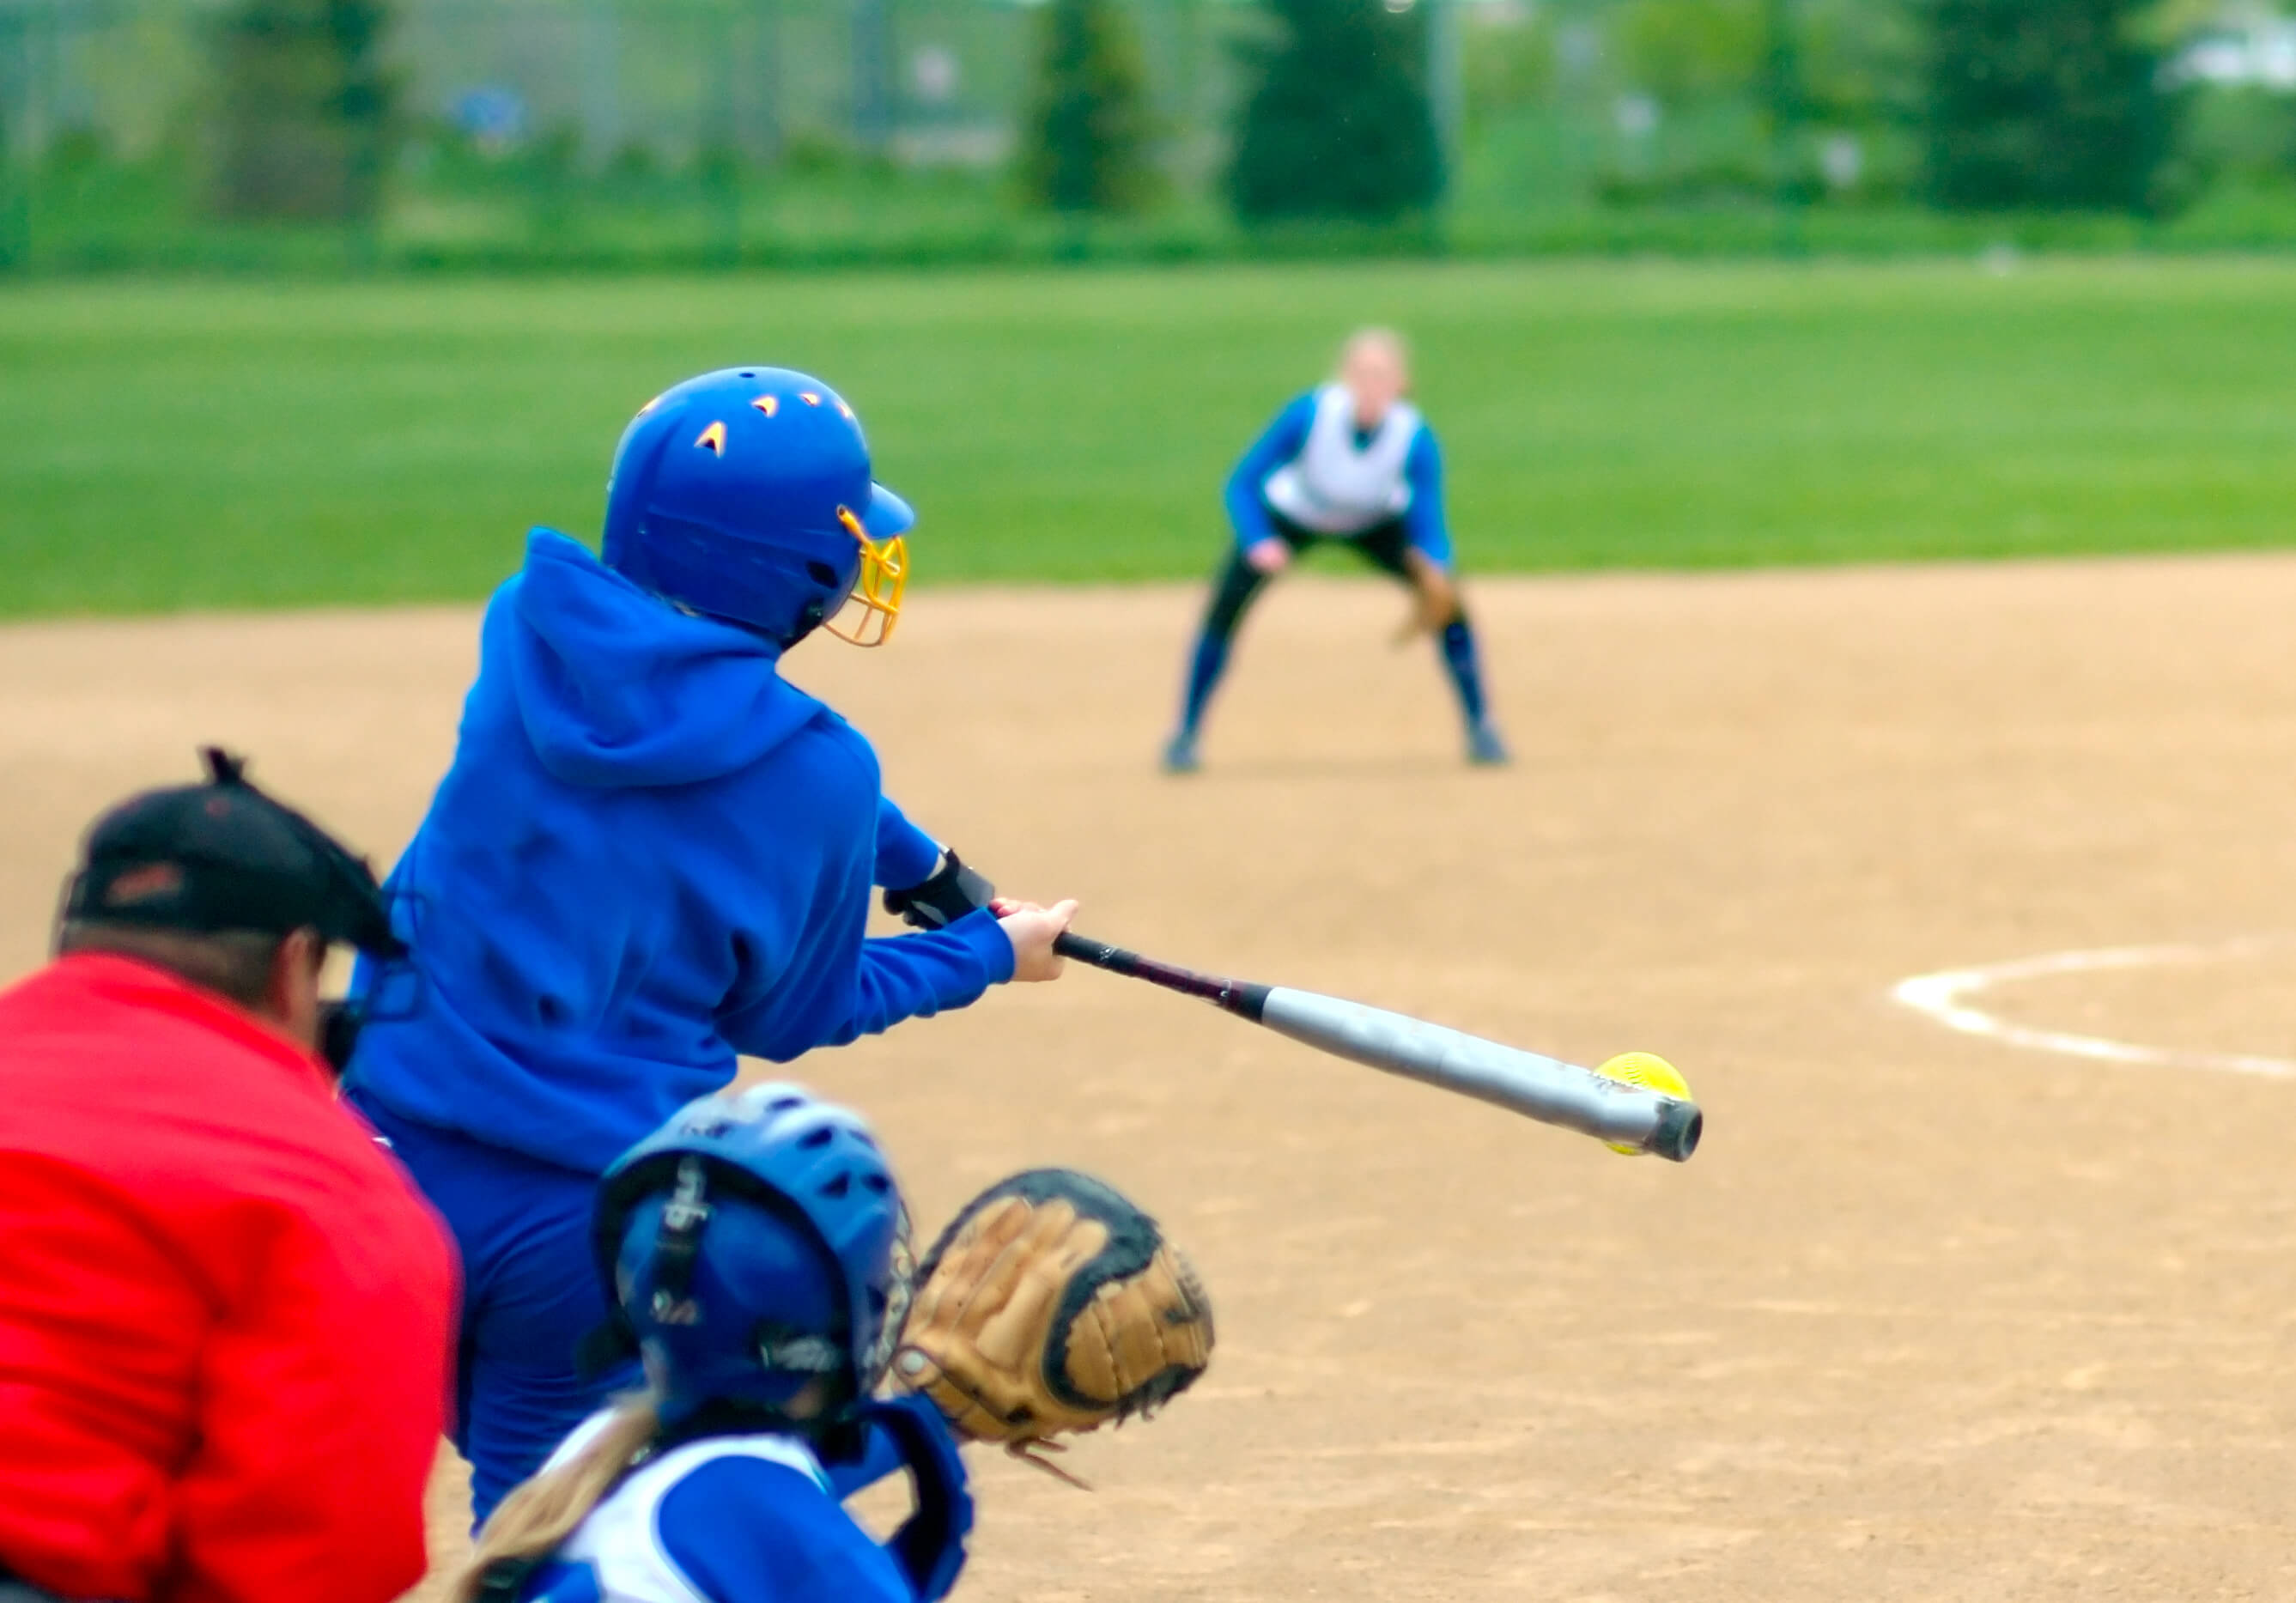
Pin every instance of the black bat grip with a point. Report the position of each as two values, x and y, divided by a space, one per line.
1098 954
1236 996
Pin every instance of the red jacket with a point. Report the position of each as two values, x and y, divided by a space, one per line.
224 1310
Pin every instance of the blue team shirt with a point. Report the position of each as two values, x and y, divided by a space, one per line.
651 853
1280 443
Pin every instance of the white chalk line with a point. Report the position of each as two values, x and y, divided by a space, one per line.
1942 997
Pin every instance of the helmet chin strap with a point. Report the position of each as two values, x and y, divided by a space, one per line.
683 1220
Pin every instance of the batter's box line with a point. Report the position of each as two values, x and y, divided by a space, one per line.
1945 997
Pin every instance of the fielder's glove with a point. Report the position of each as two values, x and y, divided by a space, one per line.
952 891
1434 599
1052 1306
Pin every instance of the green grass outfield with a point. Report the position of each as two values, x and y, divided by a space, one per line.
197 444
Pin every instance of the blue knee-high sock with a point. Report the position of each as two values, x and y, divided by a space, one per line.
1204 671
1466 673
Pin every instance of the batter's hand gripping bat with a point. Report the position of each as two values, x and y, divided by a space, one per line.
1635 1102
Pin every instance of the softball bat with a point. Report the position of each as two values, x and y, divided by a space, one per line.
1635 1102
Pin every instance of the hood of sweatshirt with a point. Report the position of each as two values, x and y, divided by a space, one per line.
615 687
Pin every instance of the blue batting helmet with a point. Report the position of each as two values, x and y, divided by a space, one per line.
754 1246
746 495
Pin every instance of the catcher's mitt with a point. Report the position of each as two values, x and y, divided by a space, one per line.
1052 1305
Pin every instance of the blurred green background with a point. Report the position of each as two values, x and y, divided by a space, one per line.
352 135
219 444
327 300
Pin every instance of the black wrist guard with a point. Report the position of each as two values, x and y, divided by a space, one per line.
951 892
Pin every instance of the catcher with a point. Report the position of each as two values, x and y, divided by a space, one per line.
1353 462
755 1252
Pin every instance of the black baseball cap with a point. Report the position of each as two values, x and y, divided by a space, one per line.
225 855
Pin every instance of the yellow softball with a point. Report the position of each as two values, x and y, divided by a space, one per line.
1651 1073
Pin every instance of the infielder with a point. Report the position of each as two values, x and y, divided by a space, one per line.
1350 462
651 853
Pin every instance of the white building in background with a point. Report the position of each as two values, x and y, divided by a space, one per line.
2248 46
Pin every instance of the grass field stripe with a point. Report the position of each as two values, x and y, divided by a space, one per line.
1857 413
1944 997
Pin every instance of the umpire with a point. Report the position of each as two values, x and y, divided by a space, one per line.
224 1310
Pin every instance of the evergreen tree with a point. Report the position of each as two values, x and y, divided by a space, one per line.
305 113
1087 126
12 204
1338 124
2042 103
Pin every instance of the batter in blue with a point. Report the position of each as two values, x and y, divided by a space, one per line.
651 853
1351 463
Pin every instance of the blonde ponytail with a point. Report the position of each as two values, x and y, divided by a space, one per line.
535 1520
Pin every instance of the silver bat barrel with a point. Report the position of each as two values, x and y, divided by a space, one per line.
1545 1089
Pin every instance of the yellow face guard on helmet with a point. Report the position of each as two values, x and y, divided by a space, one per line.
876 589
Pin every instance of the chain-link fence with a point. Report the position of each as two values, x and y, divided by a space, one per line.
553 124
918 82
607 130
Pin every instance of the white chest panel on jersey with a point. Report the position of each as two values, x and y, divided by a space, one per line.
620 1540
1335 486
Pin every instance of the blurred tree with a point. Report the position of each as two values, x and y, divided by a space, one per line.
1861 61
13 206
1820 61
1510 62
1087 120
305 120
2043 103
1682 51
2243 137
1338 123
1785 98
2167 23
2228 139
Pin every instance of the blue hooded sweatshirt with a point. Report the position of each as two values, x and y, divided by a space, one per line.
651 853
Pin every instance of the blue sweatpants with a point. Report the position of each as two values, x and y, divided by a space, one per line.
530 1293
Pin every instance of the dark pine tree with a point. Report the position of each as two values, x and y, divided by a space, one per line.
1338 123
2044 103
305 108
1087 126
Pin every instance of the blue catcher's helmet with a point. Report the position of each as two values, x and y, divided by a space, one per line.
746 495
755 1245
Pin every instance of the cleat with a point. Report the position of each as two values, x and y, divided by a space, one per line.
1485 749
1180 753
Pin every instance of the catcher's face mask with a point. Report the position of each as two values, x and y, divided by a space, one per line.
874 604
900 1291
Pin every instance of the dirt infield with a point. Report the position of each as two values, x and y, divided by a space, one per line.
1929 1318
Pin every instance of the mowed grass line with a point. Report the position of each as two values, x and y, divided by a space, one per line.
173 445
